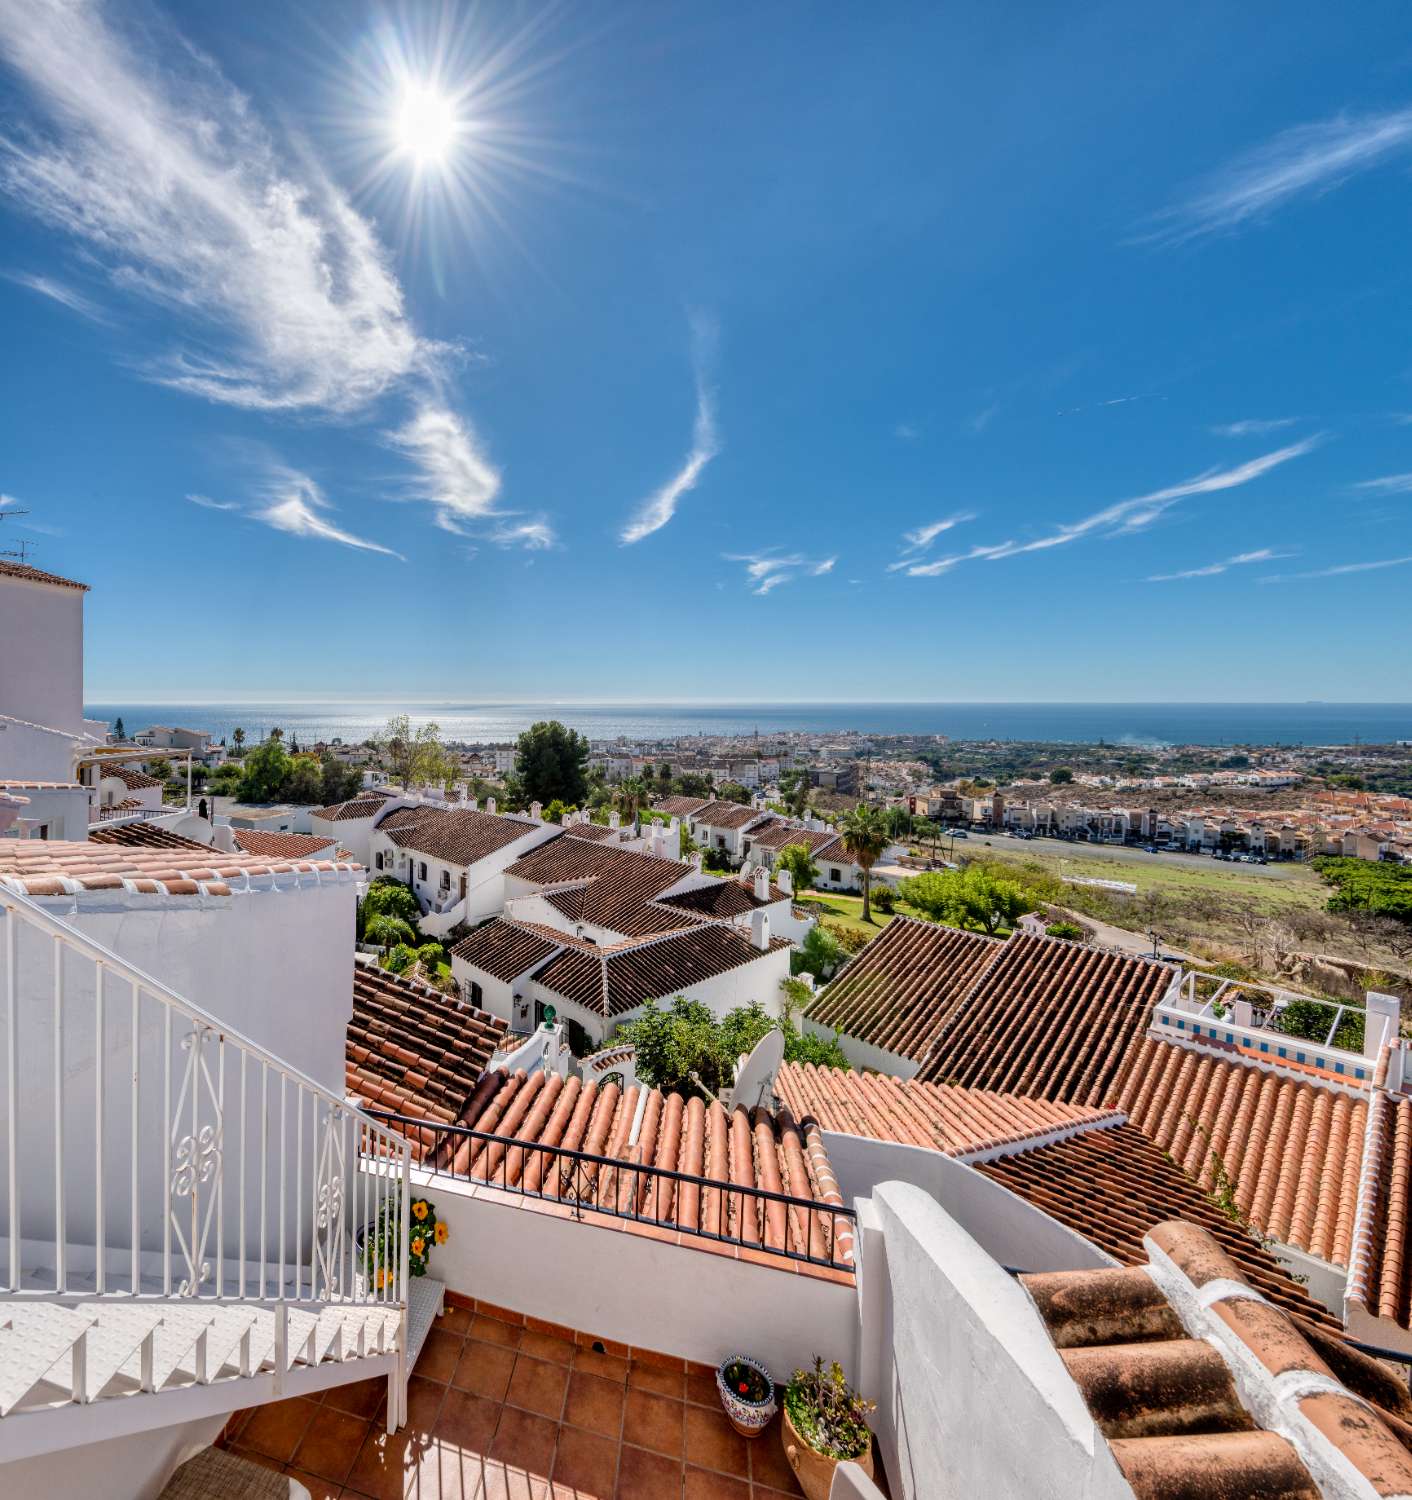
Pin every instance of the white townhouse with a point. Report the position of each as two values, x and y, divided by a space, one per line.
722 826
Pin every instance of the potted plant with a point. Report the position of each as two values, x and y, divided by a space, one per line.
747 1393
379 1245
825 1422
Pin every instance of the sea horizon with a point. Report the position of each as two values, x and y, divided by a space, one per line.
351 719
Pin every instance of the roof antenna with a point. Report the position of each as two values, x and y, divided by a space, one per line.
20 551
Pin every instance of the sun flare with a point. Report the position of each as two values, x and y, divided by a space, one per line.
425 126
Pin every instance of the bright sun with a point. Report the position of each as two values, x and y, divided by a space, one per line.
426 125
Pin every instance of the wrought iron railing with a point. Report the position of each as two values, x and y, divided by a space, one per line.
707 1208
154 1152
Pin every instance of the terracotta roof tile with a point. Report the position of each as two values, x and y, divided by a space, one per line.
1291 1149
412 1050
726 815
504 950
1380 1268
284 845
134 781
50 867
10 569
723 899
681 807
365 805
1112 1186
456 835
902 988
737 1149
780 834
1048 1018
144 835
959 1122
611 888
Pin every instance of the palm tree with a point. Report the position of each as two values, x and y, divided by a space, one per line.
632 796
864 835
237 736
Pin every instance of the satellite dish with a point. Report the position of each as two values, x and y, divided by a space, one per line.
755 1077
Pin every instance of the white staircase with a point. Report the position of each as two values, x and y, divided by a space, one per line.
176 1213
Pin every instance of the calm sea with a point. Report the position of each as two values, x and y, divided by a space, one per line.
1084 723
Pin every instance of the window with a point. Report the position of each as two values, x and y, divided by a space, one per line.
446 880
836 876
377 860
422 870
477 995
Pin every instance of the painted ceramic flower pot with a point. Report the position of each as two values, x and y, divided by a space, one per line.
747 1393
814 1470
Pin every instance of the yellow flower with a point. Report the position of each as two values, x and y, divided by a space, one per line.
441 1233
419 1209
418 1245
381 1278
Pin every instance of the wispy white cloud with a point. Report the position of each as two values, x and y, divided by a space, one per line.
1127 516
534 536
1341 568
1241 559
162 170
1307 159
909 432
766 570
454 477
206 503
293 502
60 292
921 537
1253 427
661 505
1389 484
983 418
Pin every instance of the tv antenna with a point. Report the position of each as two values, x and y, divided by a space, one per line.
20 551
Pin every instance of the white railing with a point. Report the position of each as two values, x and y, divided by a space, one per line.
153 1152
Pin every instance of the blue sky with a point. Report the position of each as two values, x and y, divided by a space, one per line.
729 351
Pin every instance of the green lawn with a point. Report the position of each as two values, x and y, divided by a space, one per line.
847 911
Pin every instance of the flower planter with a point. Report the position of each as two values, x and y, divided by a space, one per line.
814 1470
748 1417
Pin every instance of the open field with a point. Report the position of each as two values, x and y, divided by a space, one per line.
847 911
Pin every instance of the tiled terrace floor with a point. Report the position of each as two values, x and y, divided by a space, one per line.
507 1409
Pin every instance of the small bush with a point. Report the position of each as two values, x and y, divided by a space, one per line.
1070 930
850 939
385 931
884 898
1311 1020
429 955
399 958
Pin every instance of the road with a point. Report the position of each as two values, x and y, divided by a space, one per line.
1122 853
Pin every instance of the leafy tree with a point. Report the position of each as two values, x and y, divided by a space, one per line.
386 931
1061 775
551 761
794 789
237 738
803 872
972 898
119 733
264 773
733 791
819 954
225 778
390 898
664 775
1312 1019
305 782
693 784
864 839
556 811
276 733
340 780
416 757
1364 885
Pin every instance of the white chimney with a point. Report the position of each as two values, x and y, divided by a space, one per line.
28 827
614 820
762 884
223 838
1388 1009
673 824
536 810
760 930
696 861
785 881
490 805
472 804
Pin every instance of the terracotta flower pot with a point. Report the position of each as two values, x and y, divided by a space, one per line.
814 1470
749 1418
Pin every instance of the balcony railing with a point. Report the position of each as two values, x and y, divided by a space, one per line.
152 1152
775 1224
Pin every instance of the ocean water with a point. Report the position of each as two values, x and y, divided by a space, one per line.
1079 723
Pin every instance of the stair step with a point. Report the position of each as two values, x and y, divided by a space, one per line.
34 1339
223 1341
115 1343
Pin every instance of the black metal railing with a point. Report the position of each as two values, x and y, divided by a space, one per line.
1397 1357
585 1183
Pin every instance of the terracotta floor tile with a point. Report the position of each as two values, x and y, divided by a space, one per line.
276 1428
252 1456
701 1484
331 1443
547 1346
384 1465
319 1489
455 1320
493 1331
661 1361
467 1422
502 1314
595 1404
439 1355
653 1422
712 1443
585 1466
538 1386
654 1378
642 1474
502 1481
768 1465
609 1366
765 1492
484 1369
702 1389
363 1398
525 1441
424 1398
446 1472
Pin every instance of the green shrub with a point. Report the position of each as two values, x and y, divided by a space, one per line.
399 958
819 954
885 899
1070 930
1311 1020
430 955
387 931
850 939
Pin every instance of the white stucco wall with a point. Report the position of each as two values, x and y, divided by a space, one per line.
863 1054
41 653
637 1290
485 879
973 1398
31 754
63 812
136 1467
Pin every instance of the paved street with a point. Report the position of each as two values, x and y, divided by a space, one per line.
1120 852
